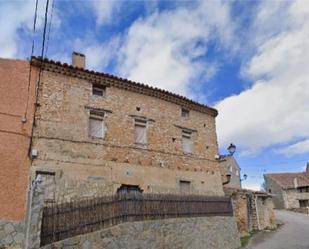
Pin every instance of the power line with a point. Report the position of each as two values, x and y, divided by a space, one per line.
30 68
274 164
43 48
50 24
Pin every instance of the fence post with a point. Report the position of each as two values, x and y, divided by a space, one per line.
34 219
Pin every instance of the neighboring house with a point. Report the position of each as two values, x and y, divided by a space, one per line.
232 168
97 134
17 93
289 190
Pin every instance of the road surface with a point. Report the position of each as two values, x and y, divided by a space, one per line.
294 234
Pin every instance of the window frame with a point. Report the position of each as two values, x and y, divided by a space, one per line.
186 183
50 173
185 113
98 88
98 116
189 136
141 123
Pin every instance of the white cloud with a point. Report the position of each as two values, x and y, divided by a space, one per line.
16 16
105 10
165 48
275 109
98 55
301 147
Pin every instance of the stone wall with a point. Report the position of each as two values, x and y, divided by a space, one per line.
265 213
252 210
84 165
12 233
292 197
184 233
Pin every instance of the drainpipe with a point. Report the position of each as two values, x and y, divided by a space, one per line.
33 186
257 213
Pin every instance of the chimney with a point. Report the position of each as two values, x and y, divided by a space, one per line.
78 60
307 168
295 181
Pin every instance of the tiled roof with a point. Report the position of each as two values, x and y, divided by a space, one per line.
98 77
286 180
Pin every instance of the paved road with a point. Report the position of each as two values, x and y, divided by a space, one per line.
294 234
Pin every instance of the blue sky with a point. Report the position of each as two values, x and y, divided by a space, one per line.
248 59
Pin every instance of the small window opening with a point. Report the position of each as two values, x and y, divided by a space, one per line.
98 90
140 131
230 168
187 144
185 186
96 124
138 108
184 113
127 189
303 203
48 183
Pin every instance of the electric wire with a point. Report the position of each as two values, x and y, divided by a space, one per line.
32 51
50 24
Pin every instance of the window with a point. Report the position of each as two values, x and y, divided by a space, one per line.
185 186
127 189
98 90
96 124
48 183
237 172
303 189
230 168
184 113
303 203
140 131
187 141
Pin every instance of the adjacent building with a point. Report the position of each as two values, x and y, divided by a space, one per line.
289 190
17 91
233 170
16 118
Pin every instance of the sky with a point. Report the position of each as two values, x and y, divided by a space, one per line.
248 59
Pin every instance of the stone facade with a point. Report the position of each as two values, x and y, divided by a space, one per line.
180 233
12 234
86 166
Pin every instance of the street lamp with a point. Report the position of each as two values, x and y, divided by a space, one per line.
231 149
244 177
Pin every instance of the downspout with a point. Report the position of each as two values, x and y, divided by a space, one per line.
257 213
29 211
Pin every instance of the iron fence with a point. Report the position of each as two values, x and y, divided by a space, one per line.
61 221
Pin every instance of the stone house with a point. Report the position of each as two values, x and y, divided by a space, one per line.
84 134
232 168
289 190
97 134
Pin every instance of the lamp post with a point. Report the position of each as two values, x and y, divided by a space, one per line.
231 149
